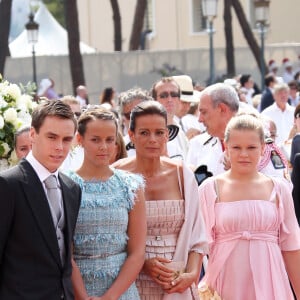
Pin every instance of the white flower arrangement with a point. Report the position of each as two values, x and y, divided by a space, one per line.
16 106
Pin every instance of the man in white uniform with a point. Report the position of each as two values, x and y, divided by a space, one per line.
218 104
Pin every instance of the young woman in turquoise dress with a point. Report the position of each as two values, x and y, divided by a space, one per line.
109 240
176 237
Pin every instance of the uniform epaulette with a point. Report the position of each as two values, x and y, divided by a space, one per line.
208 140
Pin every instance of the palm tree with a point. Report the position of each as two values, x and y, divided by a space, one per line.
247 31
5 16
76 65
229 39
117 25
138 23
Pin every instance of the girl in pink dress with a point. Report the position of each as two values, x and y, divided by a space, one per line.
250 220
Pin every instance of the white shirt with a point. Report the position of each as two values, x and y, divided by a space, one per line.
287 77
284 120
206 150
74 159
191 121
43 174
81 100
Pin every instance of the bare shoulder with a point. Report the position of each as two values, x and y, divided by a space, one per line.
265 180
171 163
124 163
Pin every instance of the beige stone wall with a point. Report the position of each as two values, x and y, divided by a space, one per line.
173 24
128 69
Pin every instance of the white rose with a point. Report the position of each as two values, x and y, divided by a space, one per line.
14 91
25 117
10 115
6 148
3 103
13 159
1 122
33 105
3 86
21 102
17 123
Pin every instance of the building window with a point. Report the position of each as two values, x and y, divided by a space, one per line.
198 21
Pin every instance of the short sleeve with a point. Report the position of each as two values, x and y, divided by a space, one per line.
207 196
289 236
131 183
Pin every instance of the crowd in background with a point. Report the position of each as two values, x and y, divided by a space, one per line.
182 178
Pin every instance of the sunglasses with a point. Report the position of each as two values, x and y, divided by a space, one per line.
166 95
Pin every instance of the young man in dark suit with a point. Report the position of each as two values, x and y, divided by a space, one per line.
35 232
267 98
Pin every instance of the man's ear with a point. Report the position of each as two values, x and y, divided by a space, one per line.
32 134
223 107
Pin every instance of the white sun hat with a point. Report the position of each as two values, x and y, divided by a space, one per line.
187 93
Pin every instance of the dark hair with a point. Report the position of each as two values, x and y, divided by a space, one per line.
297 110
293 84
53 108
121 153
106 95
95 114
147 108
269 78
244 78
153 92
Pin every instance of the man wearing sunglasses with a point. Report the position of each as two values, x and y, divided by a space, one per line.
167 92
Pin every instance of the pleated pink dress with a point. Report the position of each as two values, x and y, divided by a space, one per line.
164 221
246 239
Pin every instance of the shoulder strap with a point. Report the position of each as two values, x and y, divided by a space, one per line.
217 190
179 181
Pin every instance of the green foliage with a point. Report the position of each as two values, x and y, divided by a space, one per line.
56 7
167 70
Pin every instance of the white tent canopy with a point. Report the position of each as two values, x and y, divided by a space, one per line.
52 38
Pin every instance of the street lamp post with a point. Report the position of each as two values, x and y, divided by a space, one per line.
262 17
32 28
209 10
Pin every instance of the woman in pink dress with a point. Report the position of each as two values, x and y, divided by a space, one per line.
252 230
176 237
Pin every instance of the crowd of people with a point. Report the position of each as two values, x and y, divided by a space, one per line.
161 194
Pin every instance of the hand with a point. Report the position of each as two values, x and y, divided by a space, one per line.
158 271
180 284
192 132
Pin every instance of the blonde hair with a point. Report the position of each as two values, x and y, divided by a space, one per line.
245 122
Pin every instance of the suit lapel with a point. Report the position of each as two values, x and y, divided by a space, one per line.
37 200
70 200
66 194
